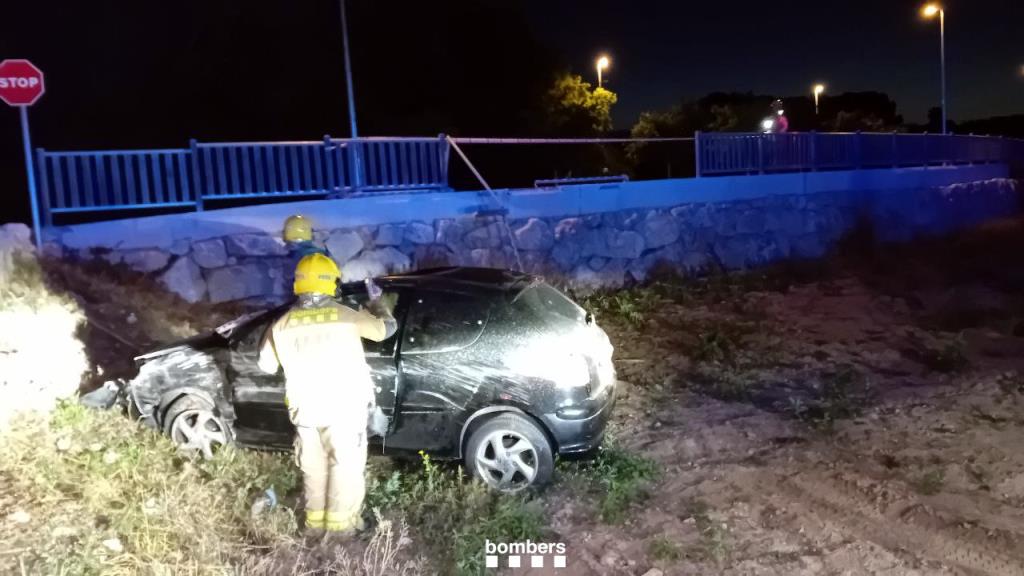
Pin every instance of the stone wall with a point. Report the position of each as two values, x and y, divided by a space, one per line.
597 250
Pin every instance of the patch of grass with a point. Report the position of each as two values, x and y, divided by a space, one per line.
632 307
719 343
664 550
723 382
841 396
713 534
455 512
22 281
97 494
930 482
620 477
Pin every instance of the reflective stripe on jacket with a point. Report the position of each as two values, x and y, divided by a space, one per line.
318 345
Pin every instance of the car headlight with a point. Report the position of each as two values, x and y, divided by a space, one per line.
571 372
550 361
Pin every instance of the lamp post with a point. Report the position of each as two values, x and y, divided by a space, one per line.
602 63
929 11
348 72
818 89
357 176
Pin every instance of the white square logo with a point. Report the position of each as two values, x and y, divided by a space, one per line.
491 561
513 561
559 562
536 561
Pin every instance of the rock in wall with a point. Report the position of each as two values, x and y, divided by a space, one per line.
596 250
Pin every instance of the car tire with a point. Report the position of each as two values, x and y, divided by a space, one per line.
194 424
510 453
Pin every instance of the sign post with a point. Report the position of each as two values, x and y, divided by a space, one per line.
21 84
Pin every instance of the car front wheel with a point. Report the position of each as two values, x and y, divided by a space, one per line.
193 424
510 453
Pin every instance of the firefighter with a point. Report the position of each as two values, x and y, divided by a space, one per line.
328 389
298 235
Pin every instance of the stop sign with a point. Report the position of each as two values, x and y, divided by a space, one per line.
21 83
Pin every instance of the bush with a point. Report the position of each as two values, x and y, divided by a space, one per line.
663 549
713 533
620 477
89 492
632 307
41 358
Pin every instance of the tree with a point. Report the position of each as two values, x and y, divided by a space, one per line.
867 111
572 108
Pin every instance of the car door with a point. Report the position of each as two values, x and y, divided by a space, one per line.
438 375
259 398
382 356
261 417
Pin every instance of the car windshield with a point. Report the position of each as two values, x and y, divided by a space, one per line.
546 301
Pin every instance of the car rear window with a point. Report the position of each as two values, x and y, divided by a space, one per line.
546 301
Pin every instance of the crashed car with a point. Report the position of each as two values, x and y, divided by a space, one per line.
496 368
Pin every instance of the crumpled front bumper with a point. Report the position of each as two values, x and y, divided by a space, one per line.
580 428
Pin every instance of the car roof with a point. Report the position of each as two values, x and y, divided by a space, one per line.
463 278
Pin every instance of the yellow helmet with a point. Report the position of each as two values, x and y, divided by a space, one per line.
298 229
317 274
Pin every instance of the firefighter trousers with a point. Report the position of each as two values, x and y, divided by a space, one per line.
333 463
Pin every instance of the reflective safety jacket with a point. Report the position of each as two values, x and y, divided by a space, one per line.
317 343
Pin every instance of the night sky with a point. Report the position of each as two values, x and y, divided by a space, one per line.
662 50
135 74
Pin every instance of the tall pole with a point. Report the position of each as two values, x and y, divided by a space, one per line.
30 171
357 176
348 73
942 49
598 75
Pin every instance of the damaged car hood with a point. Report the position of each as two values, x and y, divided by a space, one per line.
198 342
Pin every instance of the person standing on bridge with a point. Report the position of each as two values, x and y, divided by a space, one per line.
328 389
777 123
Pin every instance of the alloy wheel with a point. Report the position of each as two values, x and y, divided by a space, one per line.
200 431
507 461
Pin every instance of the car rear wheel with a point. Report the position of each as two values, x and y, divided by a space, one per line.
510 453
193 424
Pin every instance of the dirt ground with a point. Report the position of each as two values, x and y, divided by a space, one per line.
866 417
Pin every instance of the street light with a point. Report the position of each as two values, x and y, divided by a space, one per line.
818 89
602 63
929 11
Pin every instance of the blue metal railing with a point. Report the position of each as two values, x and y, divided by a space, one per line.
99 181
86 181
399 164
722 153
205 172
